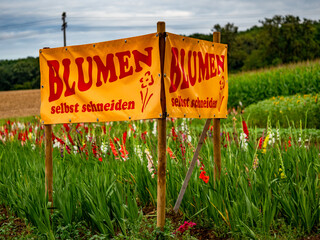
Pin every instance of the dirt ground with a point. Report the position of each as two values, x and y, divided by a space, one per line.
19 103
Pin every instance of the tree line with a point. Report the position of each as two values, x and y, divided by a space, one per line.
279 40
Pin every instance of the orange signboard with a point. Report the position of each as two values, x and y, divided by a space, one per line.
196 78
108 81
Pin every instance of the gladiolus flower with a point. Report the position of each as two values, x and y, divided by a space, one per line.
143 136
204 177
66 126
124 152
170 153
70 139
124 137
245 129
174 134
100 159
114 151
185 226
265 145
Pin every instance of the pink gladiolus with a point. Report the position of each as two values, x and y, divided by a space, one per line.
185 226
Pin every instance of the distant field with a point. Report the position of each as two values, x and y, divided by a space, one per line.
19 103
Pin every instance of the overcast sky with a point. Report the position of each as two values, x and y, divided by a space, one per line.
28 25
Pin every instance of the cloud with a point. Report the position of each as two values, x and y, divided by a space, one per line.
26 26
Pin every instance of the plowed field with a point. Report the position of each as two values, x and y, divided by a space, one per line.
20 103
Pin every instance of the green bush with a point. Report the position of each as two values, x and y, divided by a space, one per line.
286 110
252 87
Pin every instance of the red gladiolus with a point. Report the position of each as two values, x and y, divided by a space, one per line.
204 177
143 136
170 153
245 128
104 129
124 137
174 134
66 126
289 142
124 152
115 139
114 151
94 150
100 159
70 139
260 143
183 150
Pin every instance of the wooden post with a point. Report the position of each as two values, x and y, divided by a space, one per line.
216 131
48 162
162 126
193 163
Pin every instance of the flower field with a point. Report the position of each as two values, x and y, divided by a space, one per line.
105 177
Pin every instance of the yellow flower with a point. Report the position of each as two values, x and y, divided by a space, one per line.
264 147
280 111
298 101
282 175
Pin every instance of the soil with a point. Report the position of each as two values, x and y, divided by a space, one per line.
21 103
16 227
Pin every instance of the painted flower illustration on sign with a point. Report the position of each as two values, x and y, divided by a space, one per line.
146 81
222 83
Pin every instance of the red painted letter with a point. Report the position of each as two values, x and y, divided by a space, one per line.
66 73
194 77
174 70
105 69
124 64
220 63
55 81
82 85
185 81
139 57
203 67
213 71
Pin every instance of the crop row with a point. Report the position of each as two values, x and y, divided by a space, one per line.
252 87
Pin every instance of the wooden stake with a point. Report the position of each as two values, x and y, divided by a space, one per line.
48 162
216 131
193 163
162 126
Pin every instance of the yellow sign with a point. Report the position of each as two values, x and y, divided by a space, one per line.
108 81
196 78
